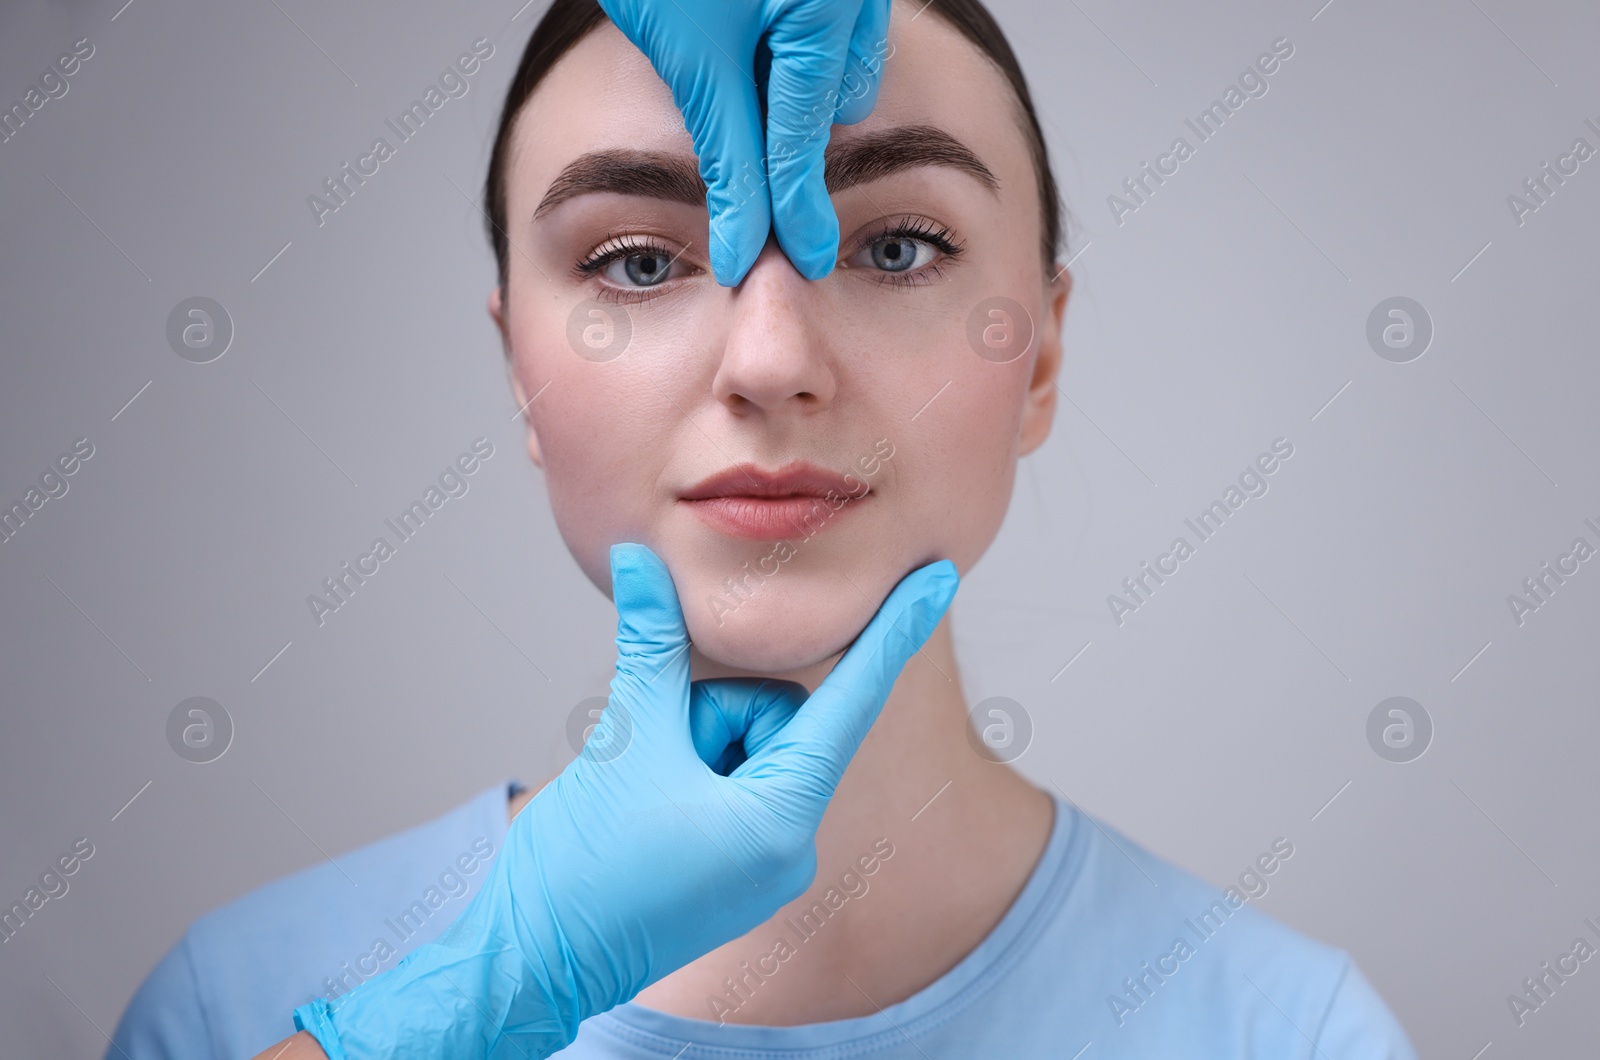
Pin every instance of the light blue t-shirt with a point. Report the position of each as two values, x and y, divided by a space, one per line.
1108 951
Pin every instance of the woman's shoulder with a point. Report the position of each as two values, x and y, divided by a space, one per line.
446 852
232 980
1128 882
1163 949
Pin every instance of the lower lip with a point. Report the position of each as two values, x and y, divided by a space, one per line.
772 518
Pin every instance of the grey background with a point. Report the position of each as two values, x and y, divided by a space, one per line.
1226 312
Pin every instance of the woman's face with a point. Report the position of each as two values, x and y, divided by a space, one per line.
897 381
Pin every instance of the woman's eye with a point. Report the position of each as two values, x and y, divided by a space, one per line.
895 253
639 269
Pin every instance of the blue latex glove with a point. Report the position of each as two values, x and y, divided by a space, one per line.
639 857
706 52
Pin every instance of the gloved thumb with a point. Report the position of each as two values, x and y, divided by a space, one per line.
652 677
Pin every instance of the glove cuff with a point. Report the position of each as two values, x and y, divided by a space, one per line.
316 1019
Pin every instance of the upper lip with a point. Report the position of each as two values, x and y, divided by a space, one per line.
797 479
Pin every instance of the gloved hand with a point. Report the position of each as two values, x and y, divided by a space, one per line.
826 62
639 857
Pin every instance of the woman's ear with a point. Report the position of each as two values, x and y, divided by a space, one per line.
1039 405
497 311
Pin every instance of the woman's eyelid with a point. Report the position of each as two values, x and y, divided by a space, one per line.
910 225
639 241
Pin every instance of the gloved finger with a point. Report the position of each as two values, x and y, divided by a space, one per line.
810 754
652 679
723 117
863 71
731 718
808 62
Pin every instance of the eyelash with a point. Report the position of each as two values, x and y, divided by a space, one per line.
616 246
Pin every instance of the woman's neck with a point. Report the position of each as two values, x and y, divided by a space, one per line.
951 837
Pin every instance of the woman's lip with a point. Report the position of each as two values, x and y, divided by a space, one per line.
796 478
771 518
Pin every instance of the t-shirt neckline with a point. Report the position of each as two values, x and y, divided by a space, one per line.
935 1003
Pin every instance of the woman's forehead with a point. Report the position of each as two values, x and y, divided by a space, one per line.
603 94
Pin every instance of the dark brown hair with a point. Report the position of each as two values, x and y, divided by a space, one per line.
566 22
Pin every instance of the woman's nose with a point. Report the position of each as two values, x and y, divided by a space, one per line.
776 352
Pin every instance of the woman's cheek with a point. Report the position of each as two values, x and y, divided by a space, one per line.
596 485
960 471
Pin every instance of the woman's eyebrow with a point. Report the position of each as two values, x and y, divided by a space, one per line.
653 174
875 155
676 178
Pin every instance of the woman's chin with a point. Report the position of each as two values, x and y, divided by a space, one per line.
774 631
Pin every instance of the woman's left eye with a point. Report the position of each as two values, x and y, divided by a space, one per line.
911 250
896 253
